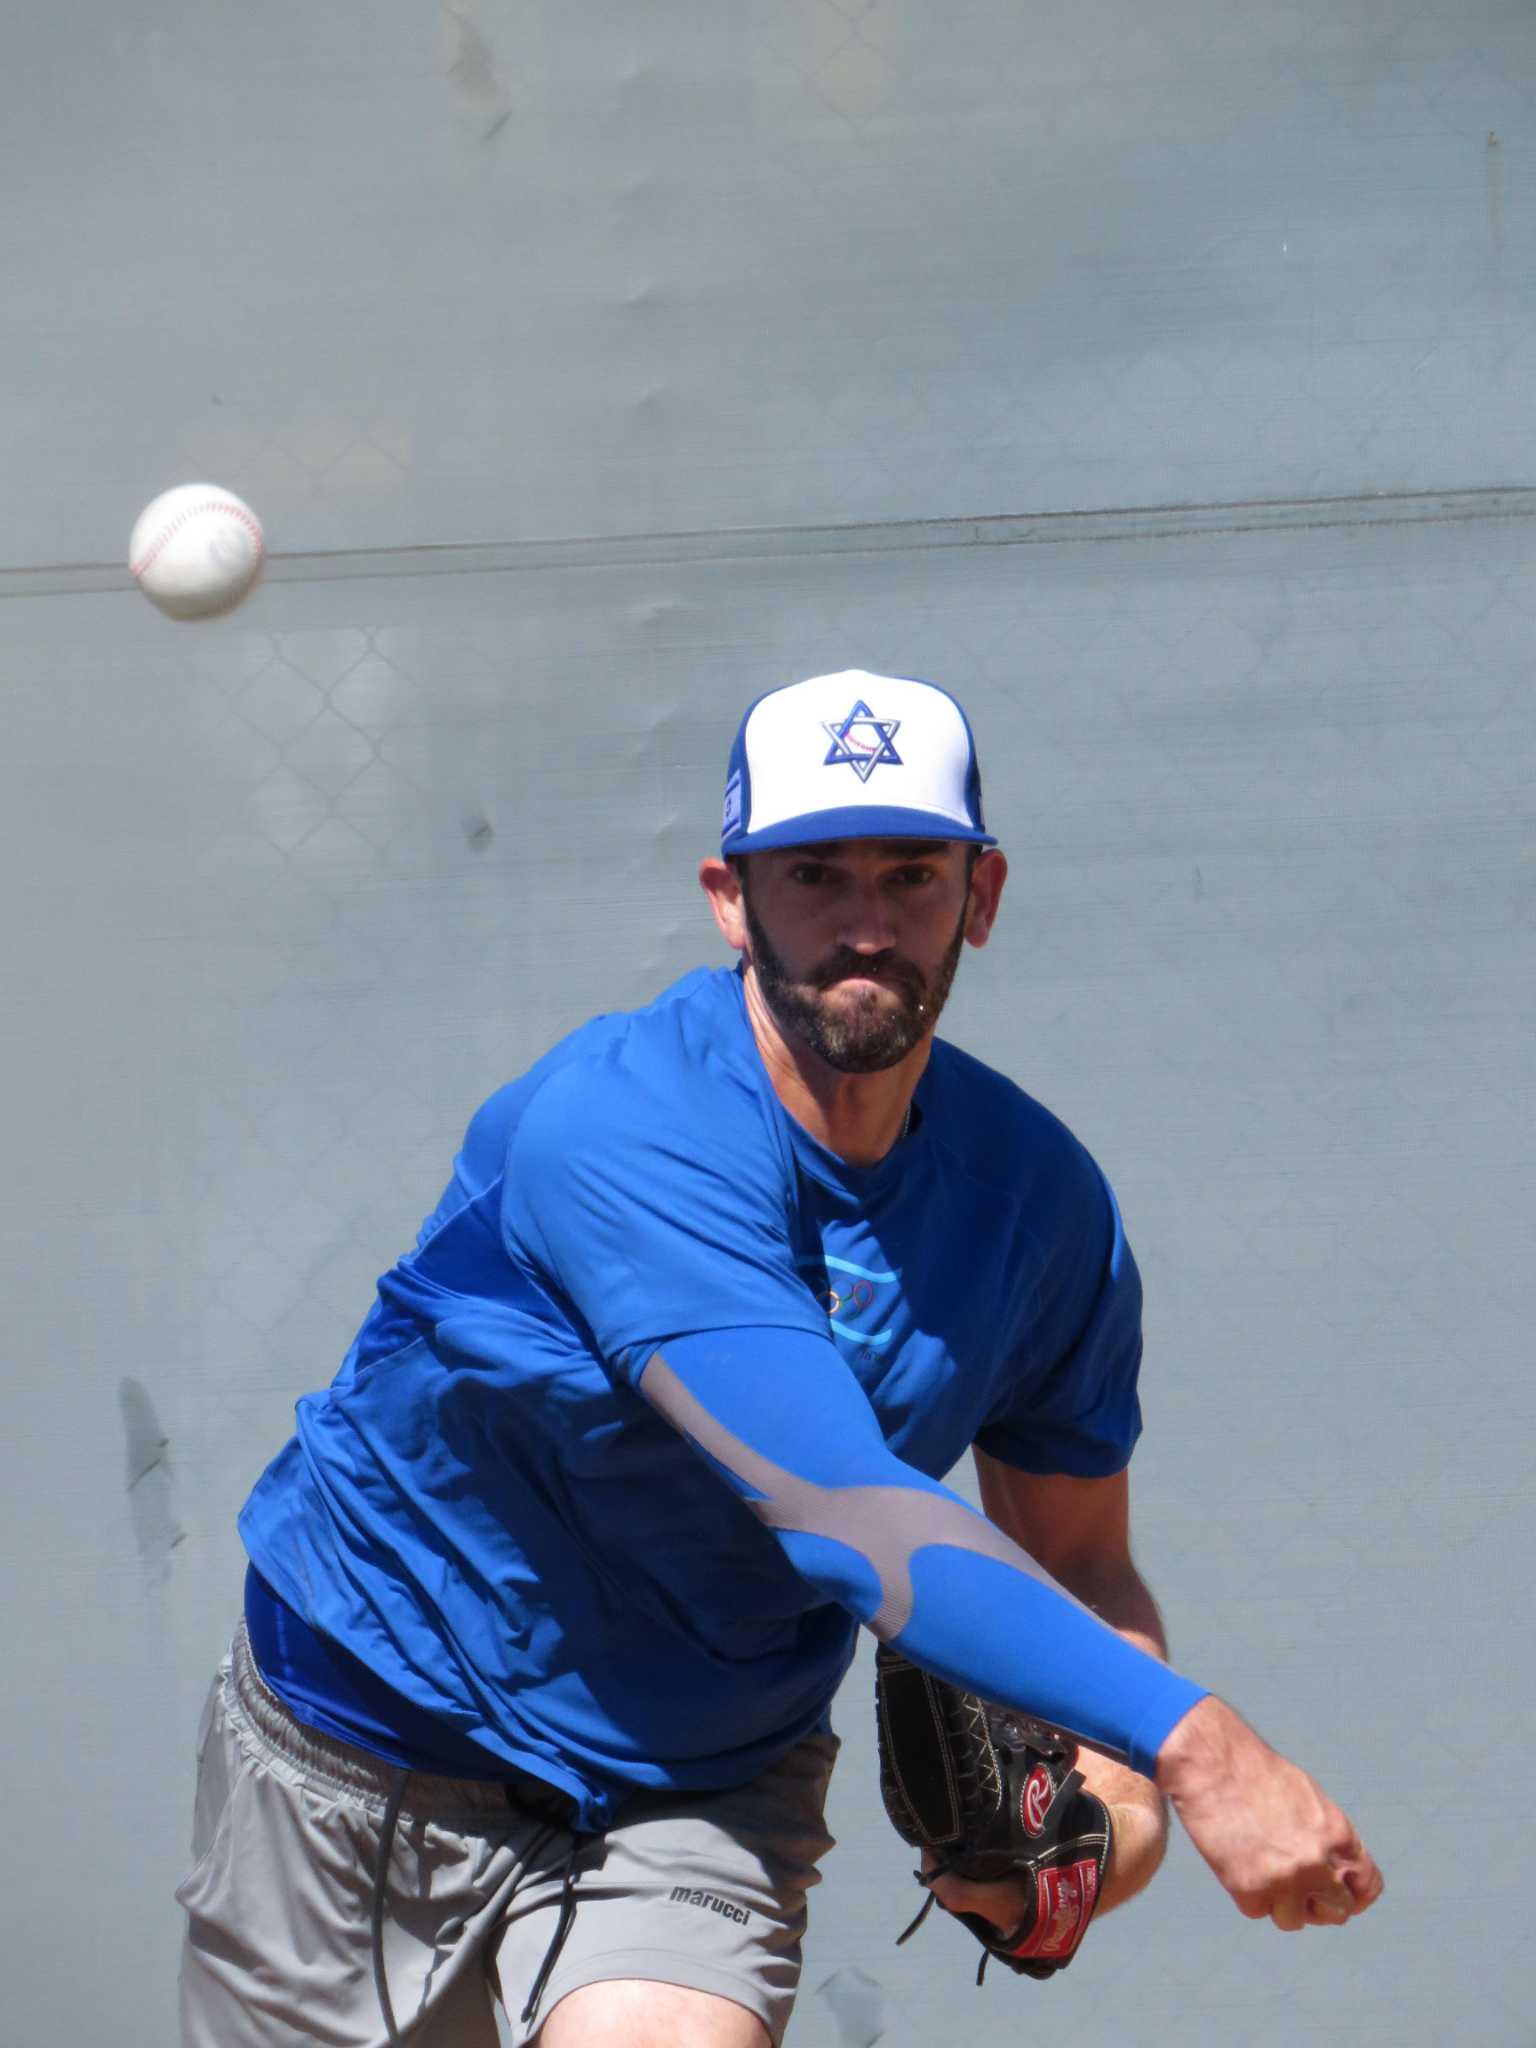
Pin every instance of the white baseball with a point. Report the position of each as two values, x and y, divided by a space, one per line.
196 551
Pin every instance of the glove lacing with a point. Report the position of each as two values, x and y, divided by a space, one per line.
925 1879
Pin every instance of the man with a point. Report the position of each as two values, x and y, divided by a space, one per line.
552 1589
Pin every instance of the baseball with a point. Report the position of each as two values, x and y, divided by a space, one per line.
196 551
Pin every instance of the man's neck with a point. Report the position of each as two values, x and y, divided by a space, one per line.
857 1116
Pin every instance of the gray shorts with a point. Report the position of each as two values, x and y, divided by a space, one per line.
705 1890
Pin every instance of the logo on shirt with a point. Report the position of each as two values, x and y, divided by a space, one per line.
850 1295
862 741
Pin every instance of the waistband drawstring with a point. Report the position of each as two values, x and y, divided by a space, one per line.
386 1849
380 1884
562 1929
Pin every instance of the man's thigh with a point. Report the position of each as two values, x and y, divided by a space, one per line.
628 2012
698 1900
292 1856
684 1921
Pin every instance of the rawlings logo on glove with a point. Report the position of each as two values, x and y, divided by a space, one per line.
992 1795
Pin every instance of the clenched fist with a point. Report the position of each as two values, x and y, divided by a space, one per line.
1274 1838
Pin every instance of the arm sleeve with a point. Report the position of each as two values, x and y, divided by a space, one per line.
784 1422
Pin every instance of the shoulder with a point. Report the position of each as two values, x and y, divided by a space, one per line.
990 1127
644 1173
679 1079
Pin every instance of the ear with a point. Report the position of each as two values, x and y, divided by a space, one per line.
987 879
722 885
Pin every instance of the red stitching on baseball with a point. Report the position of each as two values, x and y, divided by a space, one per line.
137 569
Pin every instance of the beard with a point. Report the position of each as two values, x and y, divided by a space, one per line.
869 1033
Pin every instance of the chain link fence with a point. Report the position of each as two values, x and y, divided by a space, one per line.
608 355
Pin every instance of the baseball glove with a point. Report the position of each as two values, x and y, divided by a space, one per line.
991 1794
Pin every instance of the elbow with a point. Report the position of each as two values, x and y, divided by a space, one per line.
1139 1833
836 1569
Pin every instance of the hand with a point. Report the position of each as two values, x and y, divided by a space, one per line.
1136 1834
1004 1903
1273 1837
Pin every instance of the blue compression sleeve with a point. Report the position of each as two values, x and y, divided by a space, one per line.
783 1420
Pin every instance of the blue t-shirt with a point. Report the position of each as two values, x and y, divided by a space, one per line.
483 1512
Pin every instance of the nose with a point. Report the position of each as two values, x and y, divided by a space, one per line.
868 926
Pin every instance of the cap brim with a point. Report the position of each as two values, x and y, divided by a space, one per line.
856 821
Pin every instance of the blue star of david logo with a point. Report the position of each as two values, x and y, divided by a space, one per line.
862 740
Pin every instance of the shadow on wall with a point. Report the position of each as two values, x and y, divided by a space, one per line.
151 1483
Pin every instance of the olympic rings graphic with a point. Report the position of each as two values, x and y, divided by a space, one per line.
859 1295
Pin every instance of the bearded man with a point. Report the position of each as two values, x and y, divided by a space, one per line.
551 1590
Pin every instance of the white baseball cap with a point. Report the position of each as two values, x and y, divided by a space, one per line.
852 756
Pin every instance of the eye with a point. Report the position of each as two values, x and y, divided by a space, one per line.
808 874
913 876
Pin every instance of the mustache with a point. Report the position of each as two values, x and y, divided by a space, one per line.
890 968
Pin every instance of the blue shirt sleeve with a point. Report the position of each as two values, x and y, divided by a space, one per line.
1073 1406
652 1211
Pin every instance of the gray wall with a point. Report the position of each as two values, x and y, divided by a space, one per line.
710 299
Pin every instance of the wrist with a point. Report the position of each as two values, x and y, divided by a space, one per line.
1199 1746
1167 1702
